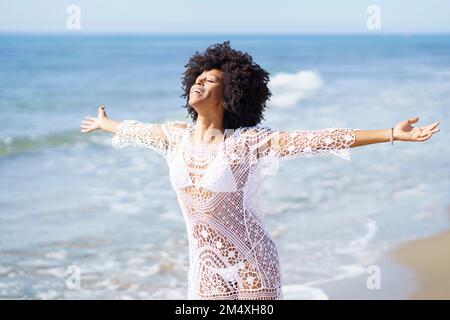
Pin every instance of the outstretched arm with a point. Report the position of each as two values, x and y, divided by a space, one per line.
266 143
403 131
269 144
154 136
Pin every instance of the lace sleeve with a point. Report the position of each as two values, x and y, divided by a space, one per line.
284 145
134 133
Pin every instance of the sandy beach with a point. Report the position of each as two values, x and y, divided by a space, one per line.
429 258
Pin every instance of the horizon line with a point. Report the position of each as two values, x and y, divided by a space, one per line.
147 33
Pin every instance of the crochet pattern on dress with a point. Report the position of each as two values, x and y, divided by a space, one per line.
218 187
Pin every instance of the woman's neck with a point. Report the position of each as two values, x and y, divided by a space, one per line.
208 130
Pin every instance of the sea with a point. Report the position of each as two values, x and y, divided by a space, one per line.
80 219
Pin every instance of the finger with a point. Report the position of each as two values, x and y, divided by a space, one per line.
90 118
425 131
435 130
432 131
85 125
432 126
424 138
436 123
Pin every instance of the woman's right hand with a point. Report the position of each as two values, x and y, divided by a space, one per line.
90 124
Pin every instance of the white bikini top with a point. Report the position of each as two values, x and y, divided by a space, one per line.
216 177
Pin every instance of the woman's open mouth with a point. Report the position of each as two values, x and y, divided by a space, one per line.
197 92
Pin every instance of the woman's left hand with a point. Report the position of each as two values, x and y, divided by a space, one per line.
404 131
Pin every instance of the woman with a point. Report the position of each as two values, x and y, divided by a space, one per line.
217 166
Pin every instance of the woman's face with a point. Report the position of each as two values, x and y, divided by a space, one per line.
206 93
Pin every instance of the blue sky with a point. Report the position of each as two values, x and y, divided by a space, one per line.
230 16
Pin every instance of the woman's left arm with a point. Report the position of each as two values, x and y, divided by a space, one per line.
403 131
268 143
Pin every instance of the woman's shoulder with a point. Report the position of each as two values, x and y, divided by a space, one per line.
177 127
177 124
253 131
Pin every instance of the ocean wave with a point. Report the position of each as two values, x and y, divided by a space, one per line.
33 142
289 89
302 292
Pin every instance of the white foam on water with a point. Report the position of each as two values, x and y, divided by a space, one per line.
342 272
336 268
106 284
358 246
170 294
410 192
358 249
288 89
371 228
48 295
5 271
145 272
57 255
129 208
302 292
136 261
56 272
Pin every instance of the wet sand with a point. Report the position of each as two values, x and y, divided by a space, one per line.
429 258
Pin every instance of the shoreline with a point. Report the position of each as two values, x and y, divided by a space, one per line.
414 270
397 282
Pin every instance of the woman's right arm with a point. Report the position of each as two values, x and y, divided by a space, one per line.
154 136
109 125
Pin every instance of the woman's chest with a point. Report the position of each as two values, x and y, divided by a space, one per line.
209 168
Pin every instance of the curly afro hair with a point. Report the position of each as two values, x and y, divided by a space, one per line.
245 84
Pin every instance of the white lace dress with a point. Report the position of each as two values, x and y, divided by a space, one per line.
218 186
